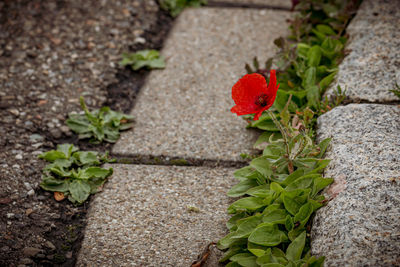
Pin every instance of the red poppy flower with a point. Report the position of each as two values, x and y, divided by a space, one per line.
252 94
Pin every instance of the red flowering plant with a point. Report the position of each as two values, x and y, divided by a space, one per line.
279 188
252 94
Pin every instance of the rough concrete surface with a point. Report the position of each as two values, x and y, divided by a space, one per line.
142 217
360 226
184 110
372 67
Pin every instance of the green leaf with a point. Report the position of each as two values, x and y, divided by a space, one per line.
275 217
262 165
304 214
248 203
246 226
241 188
264 139
80 190
325 29
320 183
86 158
313 97
302 183
257 250
267 235
291 205
292 177
309 78
314 56
272 265
276 187
326 81
52 155
243 172
229 253
245 259
231 224
259 191
295 249
95 172
56 185
289 224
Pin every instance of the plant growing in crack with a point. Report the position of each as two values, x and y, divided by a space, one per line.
99 125
74 174
270 225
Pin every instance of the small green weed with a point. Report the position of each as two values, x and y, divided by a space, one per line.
396 91
99 125
175 7
150 59
74 173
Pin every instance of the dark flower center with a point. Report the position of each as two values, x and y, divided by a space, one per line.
262 100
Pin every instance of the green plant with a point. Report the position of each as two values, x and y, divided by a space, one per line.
308 60
150 59
100 125
270 225
175 7
72 173
396 91
280 189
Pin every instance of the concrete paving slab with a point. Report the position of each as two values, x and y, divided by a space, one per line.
142 217
184 110
360 226
276 3
372 67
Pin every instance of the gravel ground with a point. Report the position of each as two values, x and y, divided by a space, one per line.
51 52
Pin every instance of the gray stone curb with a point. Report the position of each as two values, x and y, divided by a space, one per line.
184 110
141 218
360 225
372 67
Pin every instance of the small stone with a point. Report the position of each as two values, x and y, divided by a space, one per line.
31 192
36 137
14 111
40 256
65 129
56 133
50 245
10 215
28 212
68 255
19 156
26 261
31 251
139 40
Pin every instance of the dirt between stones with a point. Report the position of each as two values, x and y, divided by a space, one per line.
50 53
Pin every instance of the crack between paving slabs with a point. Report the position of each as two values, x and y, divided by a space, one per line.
161 160
227 4
359 101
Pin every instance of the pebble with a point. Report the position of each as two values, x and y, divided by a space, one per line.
26 261
31 192
36 137
139 40
56 133
10 215
50 245
14 111
19 156
31 251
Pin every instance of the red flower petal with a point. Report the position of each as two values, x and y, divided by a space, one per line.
252 94
246 90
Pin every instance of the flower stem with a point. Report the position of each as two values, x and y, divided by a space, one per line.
285 139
